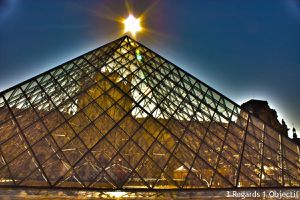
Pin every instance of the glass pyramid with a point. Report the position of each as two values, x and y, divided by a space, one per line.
122 117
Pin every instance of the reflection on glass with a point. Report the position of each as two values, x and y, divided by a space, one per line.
123 117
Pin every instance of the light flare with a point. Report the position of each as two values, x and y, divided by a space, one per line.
132 25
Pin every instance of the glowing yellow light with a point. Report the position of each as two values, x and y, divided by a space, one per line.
132 25
138 55
116 194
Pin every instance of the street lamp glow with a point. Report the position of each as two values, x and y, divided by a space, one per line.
132 24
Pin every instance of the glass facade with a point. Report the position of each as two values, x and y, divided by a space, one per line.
122 117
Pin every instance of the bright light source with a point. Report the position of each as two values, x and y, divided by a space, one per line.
139 57
132 25
116 194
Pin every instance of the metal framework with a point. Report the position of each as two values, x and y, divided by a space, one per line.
121 117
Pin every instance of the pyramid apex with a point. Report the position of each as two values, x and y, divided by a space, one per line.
127 36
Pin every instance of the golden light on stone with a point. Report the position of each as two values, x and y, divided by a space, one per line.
132 25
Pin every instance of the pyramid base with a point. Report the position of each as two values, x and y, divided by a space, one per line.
215 193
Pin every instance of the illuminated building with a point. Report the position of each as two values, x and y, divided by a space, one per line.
121 119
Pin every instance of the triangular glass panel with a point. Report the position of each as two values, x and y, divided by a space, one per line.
165 182
159 154
103 181
143 138
8 130
220 182
245 181
117 137
132 153
104 152
227 171
90 136
192 181
148 170
35 132
119 170
175 171
203 171
5 177
44 149
70 180
134 181
87 169
253 172
74 150
290 182
35 179
17 165
56 167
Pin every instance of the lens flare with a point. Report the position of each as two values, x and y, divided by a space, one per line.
132 25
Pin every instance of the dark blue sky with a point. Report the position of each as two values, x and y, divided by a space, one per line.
244 49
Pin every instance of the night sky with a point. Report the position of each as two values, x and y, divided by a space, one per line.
243 49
